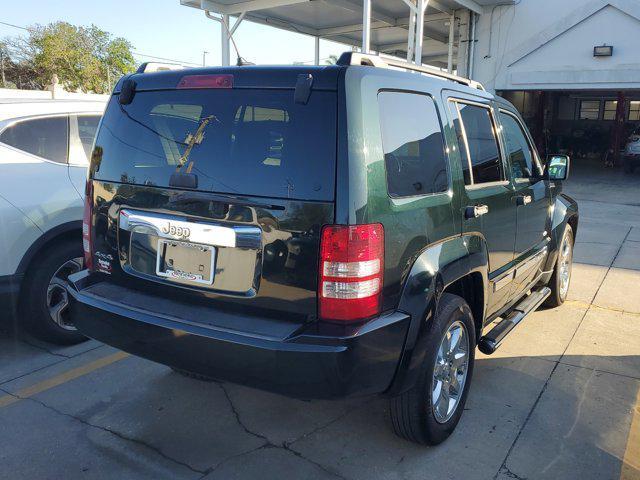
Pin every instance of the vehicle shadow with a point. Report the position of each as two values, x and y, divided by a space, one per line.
546 419
527 416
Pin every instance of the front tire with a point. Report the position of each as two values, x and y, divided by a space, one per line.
561 278
429 412
44 300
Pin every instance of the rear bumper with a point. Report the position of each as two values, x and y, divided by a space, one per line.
304 365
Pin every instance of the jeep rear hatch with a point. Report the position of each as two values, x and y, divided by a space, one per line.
214 192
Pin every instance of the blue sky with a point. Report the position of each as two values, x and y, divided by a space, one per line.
164 28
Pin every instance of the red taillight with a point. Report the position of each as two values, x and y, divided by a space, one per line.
351 272
206 81
86 226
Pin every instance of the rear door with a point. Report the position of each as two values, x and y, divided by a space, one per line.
35 170
217 195
488 207
531 196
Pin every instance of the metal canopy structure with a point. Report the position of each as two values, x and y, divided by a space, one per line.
434 32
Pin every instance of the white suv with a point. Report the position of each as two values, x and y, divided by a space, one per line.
44 153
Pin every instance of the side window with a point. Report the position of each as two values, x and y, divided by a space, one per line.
589 109
413 144
44 137
518 148
82 132
479 147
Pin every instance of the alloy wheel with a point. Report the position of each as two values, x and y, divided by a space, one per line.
57 296
565 266
450 372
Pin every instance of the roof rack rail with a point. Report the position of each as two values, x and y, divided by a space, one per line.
354 58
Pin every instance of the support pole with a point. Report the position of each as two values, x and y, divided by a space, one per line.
237 23
472 44
412 35
452 32
462 56
316 51
422 6
225 54
366 26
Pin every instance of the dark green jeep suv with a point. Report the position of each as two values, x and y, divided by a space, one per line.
321 232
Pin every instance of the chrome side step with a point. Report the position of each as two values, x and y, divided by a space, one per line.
490 342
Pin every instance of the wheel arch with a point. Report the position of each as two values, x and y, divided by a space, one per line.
565 211
573 222
63 232
471 288
449 266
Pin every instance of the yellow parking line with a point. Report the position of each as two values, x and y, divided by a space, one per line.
62 378
581 304
631 459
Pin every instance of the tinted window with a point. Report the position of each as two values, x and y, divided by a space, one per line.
238 141
82 132
475 128
44 137
413 144
518 148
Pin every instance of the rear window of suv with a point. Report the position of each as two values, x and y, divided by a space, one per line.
236 141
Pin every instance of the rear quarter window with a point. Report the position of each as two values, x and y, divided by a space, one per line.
413 144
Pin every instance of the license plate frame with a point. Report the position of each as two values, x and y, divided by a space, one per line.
182 272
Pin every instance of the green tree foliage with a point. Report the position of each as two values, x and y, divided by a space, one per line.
84 58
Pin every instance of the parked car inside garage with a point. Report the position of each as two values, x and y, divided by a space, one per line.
45 146
632 152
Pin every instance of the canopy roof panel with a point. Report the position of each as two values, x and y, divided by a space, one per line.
341 20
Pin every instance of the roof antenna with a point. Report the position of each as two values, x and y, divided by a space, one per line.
241 60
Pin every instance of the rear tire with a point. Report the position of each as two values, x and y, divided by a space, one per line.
43 294
628 167
416 415
561 278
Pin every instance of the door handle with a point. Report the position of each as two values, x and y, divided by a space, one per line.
523 200
476 211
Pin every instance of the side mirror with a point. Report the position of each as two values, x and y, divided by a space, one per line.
557 167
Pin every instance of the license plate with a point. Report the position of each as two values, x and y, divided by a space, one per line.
185 262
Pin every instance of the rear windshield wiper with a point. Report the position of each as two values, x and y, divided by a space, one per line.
192 140
186 179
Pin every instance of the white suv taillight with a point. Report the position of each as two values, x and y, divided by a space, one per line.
350 272
86 226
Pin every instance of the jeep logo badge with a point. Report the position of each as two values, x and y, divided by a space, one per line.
176 231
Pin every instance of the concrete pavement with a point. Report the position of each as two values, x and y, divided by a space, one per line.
559 400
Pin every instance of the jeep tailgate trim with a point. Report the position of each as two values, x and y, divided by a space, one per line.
175 228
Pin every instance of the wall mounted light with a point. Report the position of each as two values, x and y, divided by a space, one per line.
603 51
